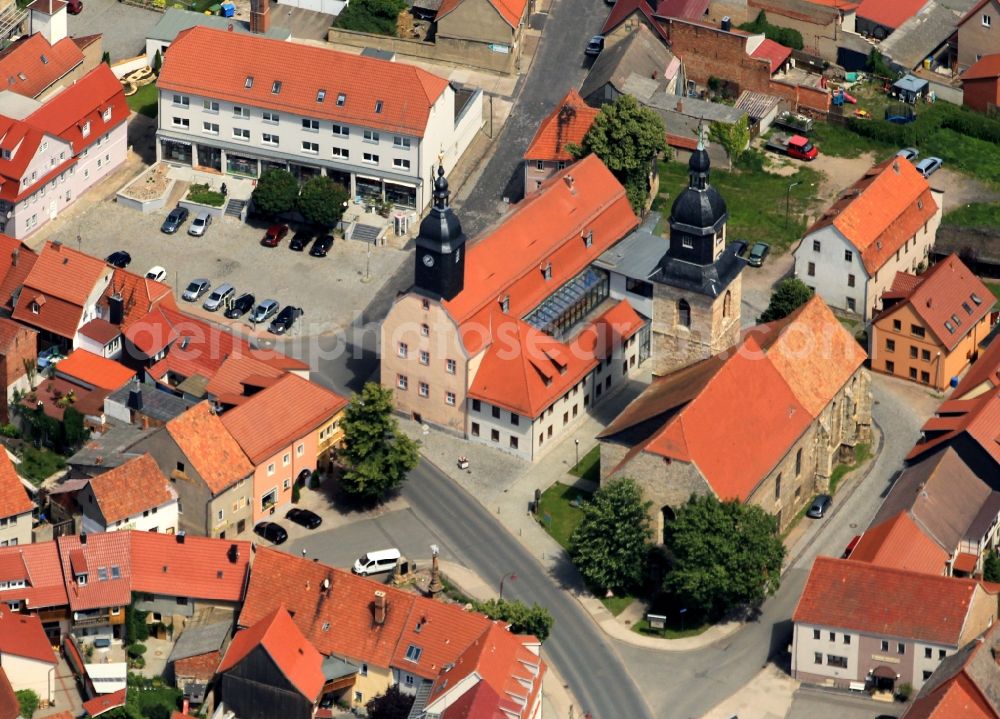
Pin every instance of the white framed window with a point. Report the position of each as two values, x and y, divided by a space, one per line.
300 450
342 130
449 398
270 469
402 382
400 164
269 139
220 514
424 389
311 147
370 158
182 122
401 142
404 350
341 153
286 460
310 125
239 111
425 357
210 128
241 133
450 366
210 106
286 484
987 20
182 100
271 117
85 130
371 136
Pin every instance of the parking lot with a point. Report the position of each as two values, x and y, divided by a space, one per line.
331 290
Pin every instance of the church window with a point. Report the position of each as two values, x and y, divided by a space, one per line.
687 243
727 304
798 462
684 313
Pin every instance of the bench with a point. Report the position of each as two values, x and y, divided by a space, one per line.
856 686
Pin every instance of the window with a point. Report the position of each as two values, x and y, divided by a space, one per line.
913 352
413 653
370 136
777 495
370 158
286 484
987 20
798 462
341 153
425 357
401 381
341 99
941 654
927 674
513 442
241 133
495 435
539 165
248 83
276 87
816 634
547 271
817 657
182 100
475 405
300 450
404 350
85 130
320 96
925 377
851 305
270 469
424 389
269 139
359 697
271 117
683 313
180 466
342 130
917 331
210 105
928 652
240 111
833 636
900 648
450 366
286 459
848 256
310 125
835 661
890 345
965 306
885 645
400 164
811 270
897 325
515 419
425 330
816 245
496 412
401 142
449 398
106 115
925 355
913 373
475 429
311 147
408 679
687 243
850 280
210 128
363 671
890 367
949 326
847 639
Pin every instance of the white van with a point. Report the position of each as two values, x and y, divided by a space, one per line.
384 560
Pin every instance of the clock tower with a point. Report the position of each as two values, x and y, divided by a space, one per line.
440 257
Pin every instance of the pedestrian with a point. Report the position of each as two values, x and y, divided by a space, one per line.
224 190
303 552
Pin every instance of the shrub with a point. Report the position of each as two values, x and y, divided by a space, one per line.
28 702
374 16
296 493
205 195
904 691
10 430
782 35
136 650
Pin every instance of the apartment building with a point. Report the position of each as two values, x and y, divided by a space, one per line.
271 104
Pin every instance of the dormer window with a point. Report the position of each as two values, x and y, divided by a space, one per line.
588 239
505 303
102 574
6 154
950 327
45 60
34 307
413 653
976 298
85 130
320 95
378 107
81 579
341 99
547 271
276 87
107 114
249 82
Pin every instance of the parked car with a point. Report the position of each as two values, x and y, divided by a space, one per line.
321 246
201 222
929 166
741 247
50 356
908 153
285 319
849 549
74 7
271 531
219 296
275 234
301 239
156 273
304 518
120 259
796 146
264 311
177 217
820 506
195 289
758 252
594 46
241 305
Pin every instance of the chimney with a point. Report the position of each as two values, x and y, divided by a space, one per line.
380 607
181 536
14 257
680 106
116 309
233 554
83 538
726 23
56 245
135 394
260 19
569 184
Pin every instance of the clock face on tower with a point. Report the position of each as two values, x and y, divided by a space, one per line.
428 260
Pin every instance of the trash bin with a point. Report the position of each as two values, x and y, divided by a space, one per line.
213 10
228 9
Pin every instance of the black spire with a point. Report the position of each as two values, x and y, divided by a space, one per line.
441 192
440 256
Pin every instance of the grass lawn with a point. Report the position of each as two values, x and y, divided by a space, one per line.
38 464
838 141
968 155
616 605
558 515
975 214
671 632
994 288
861 453
144 100
756 202
590 466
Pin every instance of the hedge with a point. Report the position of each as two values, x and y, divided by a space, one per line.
945 116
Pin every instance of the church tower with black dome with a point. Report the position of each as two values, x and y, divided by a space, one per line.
440 257
697 287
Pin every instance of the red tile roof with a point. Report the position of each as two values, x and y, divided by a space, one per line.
978 418
445 632
139 295
50 393
881 211
280 415
983 375
988 67
946 292
899 543
510 10
956 699
85 101
24 71
884 601
105 703
16 261
239 372
131 488
199 567
10 708
567 123
291 652
889 13
109 550
775 54
21 635
60 282
201 666
479 702
684 143
14 499
37 564
624 9
90 369
209 447
101 331
547 228
406 92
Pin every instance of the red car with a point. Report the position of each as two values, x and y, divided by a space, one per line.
275 234
74 7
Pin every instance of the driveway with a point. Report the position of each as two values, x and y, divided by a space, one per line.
125 27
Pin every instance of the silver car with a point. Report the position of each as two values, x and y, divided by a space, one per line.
200 224
264 311
195 289
220 295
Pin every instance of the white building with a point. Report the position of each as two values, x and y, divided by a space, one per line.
885 223
134 495
242 104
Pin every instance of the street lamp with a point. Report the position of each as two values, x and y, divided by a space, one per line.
577 452
513 578
788 195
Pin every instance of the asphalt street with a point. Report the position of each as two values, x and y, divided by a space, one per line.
559 64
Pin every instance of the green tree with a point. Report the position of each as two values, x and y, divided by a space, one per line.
726 555
991 567
877 65
536 619
136 629
393 704
276 192
627 137
28 702
734 137
377 455
375 16
783 35
74 433
611 543
157 62
322 201
788 296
